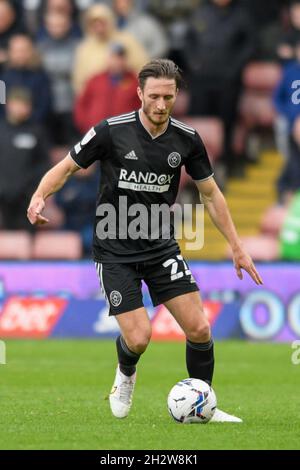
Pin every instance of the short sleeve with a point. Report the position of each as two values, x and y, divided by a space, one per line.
94 146
197 164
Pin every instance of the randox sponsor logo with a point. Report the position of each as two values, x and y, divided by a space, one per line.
149 181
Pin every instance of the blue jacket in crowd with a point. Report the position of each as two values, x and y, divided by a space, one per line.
37 82
287 93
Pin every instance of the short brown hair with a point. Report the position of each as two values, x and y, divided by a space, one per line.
160 68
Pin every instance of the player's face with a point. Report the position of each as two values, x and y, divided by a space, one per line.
158 98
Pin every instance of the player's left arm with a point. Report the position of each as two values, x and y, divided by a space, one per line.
216 205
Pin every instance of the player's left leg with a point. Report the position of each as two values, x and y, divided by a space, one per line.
170 282
187 309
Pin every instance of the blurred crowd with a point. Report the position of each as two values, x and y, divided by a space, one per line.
67 64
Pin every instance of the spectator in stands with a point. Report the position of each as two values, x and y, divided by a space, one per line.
219 44
143 26
264 13
9 25
77 200
175 17
268 18
287 104
109 93
36 16
289 180
166 10
57 51
23 69
92 52
65 8
289 38
23 159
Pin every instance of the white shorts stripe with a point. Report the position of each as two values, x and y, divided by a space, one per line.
102 283
100 274
97 268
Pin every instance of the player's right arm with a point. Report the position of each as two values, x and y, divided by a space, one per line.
94 146
51 182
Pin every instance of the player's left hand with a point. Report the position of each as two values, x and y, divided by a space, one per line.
242 260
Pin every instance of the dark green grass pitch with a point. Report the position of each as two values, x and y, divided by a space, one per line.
52 397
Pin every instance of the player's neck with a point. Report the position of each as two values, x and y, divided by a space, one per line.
151 128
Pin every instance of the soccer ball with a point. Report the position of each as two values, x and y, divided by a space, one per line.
192 401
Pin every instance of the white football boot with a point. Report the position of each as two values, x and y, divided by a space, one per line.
222 417
120 397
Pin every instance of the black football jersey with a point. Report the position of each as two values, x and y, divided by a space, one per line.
138 173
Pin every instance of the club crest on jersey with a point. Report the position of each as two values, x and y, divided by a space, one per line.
174 159
115 298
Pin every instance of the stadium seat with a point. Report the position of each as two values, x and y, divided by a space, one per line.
211 131
260 247
256 109
261 76
273 219
15 244
57 245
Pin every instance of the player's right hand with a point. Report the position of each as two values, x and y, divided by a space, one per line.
34 210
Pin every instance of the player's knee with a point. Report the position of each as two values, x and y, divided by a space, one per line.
201 333
139 340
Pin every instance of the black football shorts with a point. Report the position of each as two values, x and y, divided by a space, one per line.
166 279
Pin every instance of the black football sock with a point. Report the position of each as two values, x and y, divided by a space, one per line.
127 359
200 360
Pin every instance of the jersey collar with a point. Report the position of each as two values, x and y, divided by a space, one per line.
146 130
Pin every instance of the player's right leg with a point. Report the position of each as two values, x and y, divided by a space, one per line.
135 335
121 284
